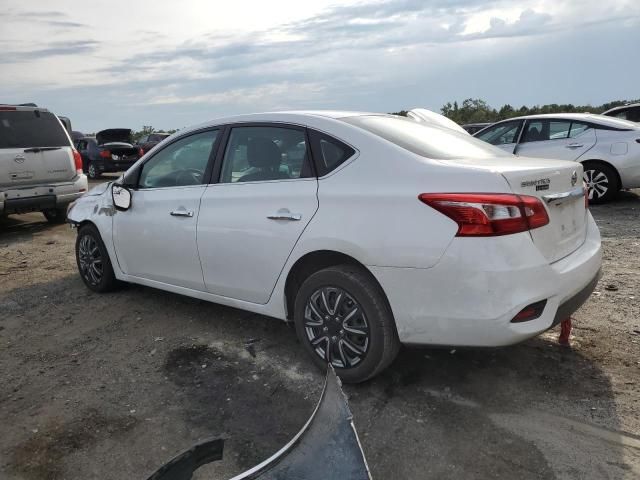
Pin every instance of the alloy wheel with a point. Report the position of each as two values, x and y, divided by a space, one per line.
336 327
90 260
92 170
597 183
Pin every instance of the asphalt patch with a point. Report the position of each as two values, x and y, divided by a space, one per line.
41 456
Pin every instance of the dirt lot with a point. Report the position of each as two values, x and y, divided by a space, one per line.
112 386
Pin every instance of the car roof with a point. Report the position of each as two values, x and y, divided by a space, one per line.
23 108
622 107
292 116
585 117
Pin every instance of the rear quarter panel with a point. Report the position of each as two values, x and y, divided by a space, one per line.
369 207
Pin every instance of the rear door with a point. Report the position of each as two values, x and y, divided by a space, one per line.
503 135
250 220
34 149
560 139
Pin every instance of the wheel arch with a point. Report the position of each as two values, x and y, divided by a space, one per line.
608 164
312 262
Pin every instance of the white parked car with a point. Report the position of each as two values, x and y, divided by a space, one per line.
608 148
366 230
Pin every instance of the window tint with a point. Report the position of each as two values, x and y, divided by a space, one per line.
425 140
501 134
257 154
541 130
179 164
33 128
578 128
328 152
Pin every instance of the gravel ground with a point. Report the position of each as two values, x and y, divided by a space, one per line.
112 386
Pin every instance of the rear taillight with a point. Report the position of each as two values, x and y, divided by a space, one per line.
77 160
140 152
489 214
4 108
105 154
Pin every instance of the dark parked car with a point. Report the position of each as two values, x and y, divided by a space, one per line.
625 112
147 142
111 150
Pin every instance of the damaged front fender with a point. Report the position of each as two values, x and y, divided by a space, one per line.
327 447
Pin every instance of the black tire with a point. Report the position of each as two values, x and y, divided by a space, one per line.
55 215
602 182
92 171
360 293
97 277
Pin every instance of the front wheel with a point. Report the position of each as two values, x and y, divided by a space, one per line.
342 317
93 261
602 182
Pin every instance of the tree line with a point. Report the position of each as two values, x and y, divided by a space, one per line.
476 110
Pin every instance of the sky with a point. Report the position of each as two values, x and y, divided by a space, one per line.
172 64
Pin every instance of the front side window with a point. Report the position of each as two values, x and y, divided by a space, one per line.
502 134
181 163
256 154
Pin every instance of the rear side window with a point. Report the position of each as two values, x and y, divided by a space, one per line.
328 152
33 128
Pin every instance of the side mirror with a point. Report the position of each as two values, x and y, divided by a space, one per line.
121 197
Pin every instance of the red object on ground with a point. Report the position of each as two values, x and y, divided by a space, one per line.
565 332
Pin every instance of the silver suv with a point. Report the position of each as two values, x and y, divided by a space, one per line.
39 168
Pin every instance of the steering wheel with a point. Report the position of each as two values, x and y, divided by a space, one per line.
189 176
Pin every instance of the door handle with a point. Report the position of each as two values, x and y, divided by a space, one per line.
284 214
574 145
181 213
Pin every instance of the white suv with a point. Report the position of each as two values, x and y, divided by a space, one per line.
39 168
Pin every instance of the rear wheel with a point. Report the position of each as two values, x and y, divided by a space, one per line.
602 182
92 171
342 318
55 215
93 261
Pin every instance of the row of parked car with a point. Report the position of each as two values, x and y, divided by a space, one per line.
113 150
366 231
607 145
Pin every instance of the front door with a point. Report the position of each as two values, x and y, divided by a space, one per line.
252 218
503 135
156 238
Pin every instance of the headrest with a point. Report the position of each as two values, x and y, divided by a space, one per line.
263 153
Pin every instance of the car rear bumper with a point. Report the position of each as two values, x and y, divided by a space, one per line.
470 297
41 197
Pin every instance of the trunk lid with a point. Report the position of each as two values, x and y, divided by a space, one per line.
559 186
114 135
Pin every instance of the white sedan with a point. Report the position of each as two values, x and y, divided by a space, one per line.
367 231
608 148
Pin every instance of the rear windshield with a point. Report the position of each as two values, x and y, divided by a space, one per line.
425 140
33 128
